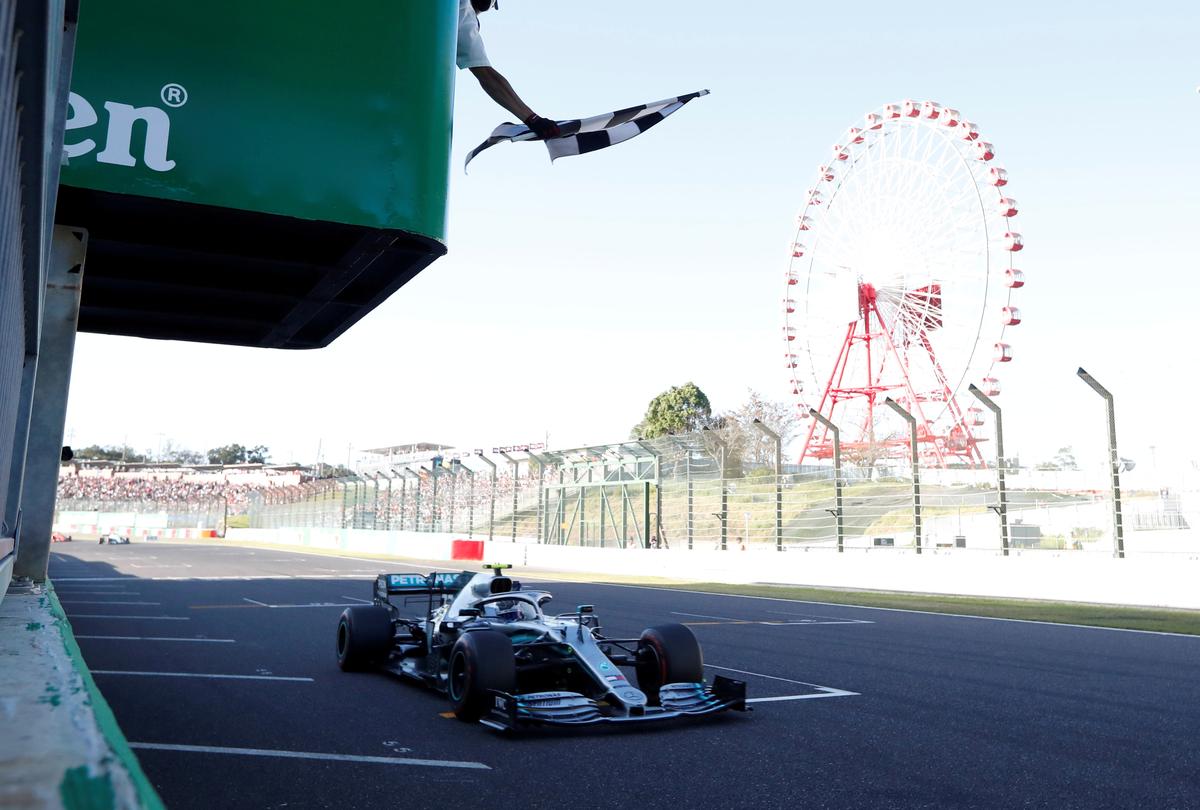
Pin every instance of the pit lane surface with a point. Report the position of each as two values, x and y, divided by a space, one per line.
218 662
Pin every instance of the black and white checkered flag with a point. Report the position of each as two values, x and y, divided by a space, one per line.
580 136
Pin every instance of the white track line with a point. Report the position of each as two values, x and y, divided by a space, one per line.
75 616
251 578
106 587
356 599
768 677
263 752
810 696
68 600
706 616
887 609
67 595
208 675
256 603
772 622
826 691
161 638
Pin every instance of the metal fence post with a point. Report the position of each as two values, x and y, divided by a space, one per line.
374 479
1114 461
491 496
403 495
387 504
514 464
416 498
774 437
1001 492
839 515
455 466
470 501
691 523
723 515
434 466
916 468
541 504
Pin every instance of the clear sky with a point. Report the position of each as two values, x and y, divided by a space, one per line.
573 293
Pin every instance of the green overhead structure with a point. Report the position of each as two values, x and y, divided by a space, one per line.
256 173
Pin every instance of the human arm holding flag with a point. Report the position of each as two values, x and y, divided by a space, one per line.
473 57
501 92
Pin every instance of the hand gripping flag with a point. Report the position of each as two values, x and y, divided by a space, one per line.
580 136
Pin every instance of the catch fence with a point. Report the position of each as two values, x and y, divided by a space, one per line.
702 491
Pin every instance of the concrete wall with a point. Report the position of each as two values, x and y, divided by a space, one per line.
1151 580
87 525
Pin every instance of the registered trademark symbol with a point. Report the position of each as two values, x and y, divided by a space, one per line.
173 95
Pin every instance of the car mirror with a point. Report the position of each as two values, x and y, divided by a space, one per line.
469 612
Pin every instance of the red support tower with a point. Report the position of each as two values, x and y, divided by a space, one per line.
901 284
956 443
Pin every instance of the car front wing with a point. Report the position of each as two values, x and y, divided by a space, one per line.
677 700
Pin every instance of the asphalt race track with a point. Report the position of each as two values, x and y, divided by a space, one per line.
219 664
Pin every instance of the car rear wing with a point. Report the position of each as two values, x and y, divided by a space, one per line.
420 584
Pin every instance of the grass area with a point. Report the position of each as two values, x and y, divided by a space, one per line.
1131 618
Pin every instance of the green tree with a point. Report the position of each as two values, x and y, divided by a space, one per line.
180 455
259 454
237 454
679 409
779 417
110 453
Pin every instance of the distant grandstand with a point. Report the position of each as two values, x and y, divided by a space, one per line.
99 485
379 459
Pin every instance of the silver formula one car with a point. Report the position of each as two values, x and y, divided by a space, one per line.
487 644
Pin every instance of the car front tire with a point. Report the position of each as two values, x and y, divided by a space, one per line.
668 653
481 661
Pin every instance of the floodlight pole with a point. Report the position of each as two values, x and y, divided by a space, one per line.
514 463
1113 460
492 496
724 513
774 437
916 468
838 514
1001 492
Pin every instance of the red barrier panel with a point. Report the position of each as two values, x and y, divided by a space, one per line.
466 549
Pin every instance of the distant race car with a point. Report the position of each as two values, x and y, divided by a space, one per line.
485 642
59 537
113 539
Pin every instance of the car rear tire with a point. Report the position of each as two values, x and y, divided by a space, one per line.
364 637
481 660
668 653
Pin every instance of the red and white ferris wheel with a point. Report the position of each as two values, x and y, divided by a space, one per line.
901 284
